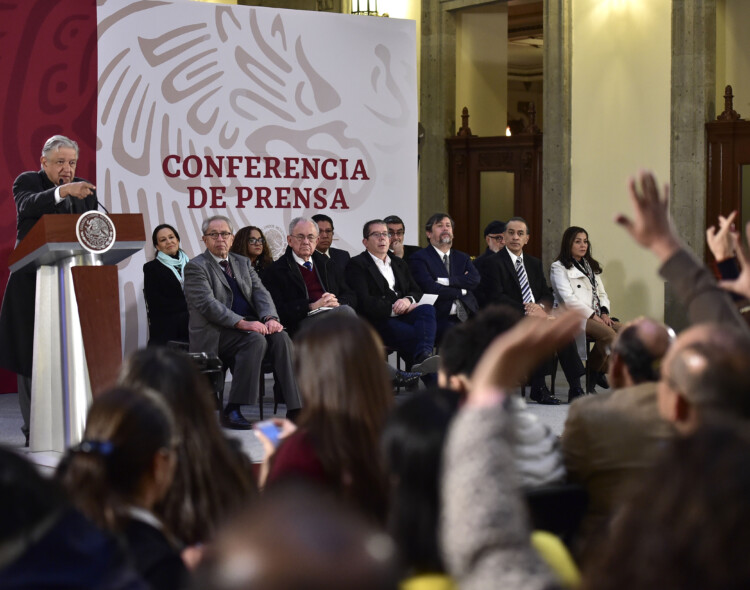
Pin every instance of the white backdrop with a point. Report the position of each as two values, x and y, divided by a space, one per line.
255 113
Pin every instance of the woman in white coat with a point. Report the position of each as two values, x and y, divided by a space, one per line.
576 281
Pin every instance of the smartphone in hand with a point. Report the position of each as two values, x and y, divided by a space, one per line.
270 430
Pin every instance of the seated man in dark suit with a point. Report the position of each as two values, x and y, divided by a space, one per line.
517 279
493 235
387 296
303 280
325 239
396 234
446 272
233 316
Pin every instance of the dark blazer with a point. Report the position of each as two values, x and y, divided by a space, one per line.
500 281
167 309
34 194
427 266
374 298
408 251
339 257
284 281
154 557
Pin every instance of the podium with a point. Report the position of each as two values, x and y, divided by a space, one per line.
77 336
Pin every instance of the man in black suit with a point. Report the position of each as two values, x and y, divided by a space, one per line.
448 273
493 235
304 281
396 234
387 296
325 239
53 189
516 279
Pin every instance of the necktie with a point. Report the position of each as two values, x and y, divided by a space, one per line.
226 268
523 280
447 264
308 265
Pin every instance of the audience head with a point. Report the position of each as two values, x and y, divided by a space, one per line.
706 374
516 235
396 228
166 239
218 235
126 457
463 345
347 395
493 235
439 230
637 352
303 237
412 442
212 479
325 230
298 538
251 242
375 238
688 526
59 159
575 246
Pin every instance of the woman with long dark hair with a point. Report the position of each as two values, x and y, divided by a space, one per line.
250 242
118 473
346 396
212 479
576 281
163 278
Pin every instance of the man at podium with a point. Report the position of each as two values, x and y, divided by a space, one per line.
53 189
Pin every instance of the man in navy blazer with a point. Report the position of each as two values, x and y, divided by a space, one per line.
325 239
448 273
501 283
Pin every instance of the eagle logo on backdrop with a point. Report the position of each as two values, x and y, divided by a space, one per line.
95 232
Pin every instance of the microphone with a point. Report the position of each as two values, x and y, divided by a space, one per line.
61 182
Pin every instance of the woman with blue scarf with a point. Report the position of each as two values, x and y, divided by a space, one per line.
163 280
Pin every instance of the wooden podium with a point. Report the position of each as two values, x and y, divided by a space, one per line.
77 337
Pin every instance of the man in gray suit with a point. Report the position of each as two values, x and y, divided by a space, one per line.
232 315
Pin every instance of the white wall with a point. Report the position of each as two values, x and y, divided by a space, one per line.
620 123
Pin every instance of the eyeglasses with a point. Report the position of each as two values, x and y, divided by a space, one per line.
224 235
497 238
378 234
308 238
397 232
326 231
253 241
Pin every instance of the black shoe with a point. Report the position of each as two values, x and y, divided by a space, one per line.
543 396
405 379
426 364
601 380
575 393
234 420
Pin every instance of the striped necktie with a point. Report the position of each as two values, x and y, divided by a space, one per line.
523 280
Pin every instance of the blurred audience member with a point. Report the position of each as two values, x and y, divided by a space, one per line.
412 443
297 539
688 527
611 439
163 279
576 282
213 477
250 241
120 470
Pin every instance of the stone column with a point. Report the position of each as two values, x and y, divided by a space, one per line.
693 105
557 126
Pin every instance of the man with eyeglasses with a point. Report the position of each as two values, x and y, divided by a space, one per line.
396 232
325 239
233 316
304 283
493 236
387 295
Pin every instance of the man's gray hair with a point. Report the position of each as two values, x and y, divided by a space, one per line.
56 142
297 220
207 222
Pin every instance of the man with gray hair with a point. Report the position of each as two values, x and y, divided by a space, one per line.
233 316
52 189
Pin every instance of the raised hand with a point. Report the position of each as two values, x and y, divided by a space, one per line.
720 242
740 285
